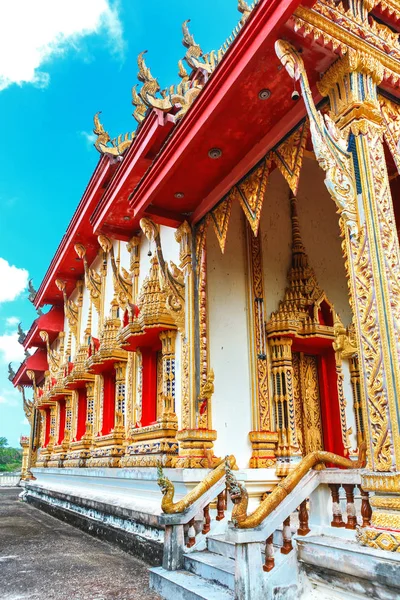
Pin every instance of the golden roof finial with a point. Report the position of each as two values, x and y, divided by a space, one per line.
194 51
68 349
245 9
88 330
297 242
102 135
150 85
140 111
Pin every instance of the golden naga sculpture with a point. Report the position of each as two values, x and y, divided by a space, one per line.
171 280
27 404
345 343
71 308
240 498
245 9
140 108
167 487
151 87
121 278
53 356
328 142
194 52
93 280
105 145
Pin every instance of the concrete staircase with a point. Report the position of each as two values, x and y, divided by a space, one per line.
210 574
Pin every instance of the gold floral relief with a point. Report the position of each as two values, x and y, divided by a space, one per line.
312 424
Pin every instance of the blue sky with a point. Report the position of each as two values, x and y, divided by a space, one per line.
63 62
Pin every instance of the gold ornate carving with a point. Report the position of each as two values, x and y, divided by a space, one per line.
250 192
239 496
105 145
284 398
195 449
168 491
152 301
28 405
345 347
352 61
171 279
329 144
263 453
150 86
71 308
122 280
311 412
298 312
333 29
54 357
381 540
245 9
289 155
372 252
140 108
93 280
391 118
386 502
194 53
220 216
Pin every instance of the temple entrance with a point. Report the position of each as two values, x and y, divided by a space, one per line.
307 402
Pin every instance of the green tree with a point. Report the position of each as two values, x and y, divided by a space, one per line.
10 458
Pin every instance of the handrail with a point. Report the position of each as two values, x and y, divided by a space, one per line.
239 495
167 487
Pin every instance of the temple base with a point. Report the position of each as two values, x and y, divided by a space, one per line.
384 533
264 447
196 449
153 444
107 450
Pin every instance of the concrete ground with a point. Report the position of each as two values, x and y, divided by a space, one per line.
42 558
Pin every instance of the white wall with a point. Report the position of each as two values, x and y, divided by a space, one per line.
348 394
320 233
319 224
229 352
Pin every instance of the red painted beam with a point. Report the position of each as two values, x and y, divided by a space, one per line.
52 322
101 176
266 19
137 160
164 216
269 141
37 362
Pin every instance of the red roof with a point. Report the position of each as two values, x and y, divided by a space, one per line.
37 362
52 322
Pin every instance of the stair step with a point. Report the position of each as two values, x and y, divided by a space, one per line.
219 545
213 567
182 585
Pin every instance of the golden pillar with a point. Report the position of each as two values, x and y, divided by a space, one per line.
196 436
263 439
348 146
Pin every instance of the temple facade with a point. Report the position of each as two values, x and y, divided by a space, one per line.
229 287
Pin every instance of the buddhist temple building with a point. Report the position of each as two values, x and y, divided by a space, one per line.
213 378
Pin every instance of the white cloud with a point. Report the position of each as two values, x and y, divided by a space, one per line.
10 349
11 397
13 280
89 137
11 321
47 28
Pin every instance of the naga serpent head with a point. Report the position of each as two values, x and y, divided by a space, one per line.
163 482
290 58
235 489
